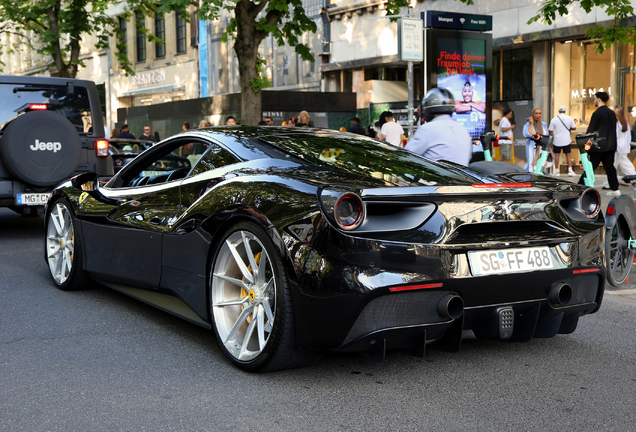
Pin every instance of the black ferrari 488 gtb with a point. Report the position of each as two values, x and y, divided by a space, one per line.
290 242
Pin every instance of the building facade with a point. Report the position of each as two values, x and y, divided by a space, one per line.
164 72
546 65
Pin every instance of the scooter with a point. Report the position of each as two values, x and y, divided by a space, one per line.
584 143
544 141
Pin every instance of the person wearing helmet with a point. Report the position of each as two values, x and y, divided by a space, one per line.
441 138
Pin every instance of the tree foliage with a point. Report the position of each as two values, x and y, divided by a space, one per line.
54 28
605 34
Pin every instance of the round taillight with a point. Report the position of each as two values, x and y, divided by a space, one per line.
349 211
590 203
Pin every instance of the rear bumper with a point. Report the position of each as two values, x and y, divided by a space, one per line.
407 319
353 306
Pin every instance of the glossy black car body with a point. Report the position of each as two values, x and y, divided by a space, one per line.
402 278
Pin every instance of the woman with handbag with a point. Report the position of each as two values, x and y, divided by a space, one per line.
532 130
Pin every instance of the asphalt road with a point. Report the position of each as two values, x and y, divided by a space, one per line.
98 360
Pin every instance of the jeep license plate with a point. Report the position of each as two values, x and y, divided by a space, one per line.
32 199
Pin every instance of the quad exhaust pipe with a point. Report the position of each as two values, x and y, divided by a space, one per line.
450 306
560 294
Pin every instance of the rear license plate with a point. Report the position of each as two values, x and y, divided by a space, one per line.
32 199
510 260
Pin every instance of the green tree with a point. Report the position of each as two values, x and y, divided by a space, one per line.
251 22
55 28
607 33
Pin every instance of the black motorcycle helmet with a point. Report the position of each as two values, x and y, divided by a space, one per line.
438 100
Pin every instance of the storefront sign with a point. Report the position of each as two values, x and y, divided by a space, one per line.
148 78
588 93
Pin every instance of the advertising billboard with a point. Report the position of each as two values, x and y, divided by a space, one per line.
460 61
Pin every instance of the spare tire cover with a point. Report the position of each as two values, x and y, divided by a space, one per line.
41 148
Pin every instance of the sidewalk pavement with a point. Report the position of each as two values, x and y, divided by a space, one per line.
620 292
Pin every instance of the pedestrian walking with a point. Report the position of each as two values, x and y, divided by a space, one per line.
603 122
230 121
505 133
391 131
560 128
379 124
147 136
355 126
623 140
125 133
533 126
304 120
441 137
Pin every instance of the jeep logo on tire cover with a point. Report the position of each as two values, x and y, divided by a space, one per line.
46 146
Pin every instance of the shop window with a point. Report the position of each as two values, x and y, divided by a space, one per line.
181 34
385 74
627 80
512 74
347 80
579 72
160 32
141 38
123 41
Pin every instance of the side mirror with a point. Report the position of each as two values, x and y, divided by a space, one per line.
89 183
86 182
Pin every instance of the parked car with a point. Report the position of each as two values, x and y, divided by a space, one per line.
50 130
123 150
288 243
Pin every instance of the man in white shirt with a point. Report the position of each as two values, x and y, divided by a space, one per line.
560 128
441 138
505 133
391 131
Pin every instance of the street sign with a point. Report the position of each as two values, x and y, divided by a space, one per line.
458 21
410 40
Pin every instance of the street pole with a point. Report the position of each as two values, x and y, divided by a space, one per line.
409 63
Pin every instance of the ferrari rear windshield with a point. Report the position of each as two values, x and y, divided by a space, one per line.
18 99
365 156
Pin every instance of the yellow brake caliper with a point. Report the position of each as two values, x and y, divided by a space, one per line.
244 292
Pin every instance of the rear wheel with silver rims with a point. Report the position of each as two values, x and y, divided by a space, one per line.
250 302
619 258
63 252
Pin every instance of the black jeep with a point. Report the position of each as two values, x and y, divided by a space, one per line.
50 130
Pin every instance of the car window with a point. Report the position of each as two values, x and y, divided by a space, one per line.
365 156
128 146
19 99
173 163
216 157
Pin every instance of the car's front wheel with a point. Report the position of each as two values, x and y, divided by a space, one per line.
63 250
250 302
